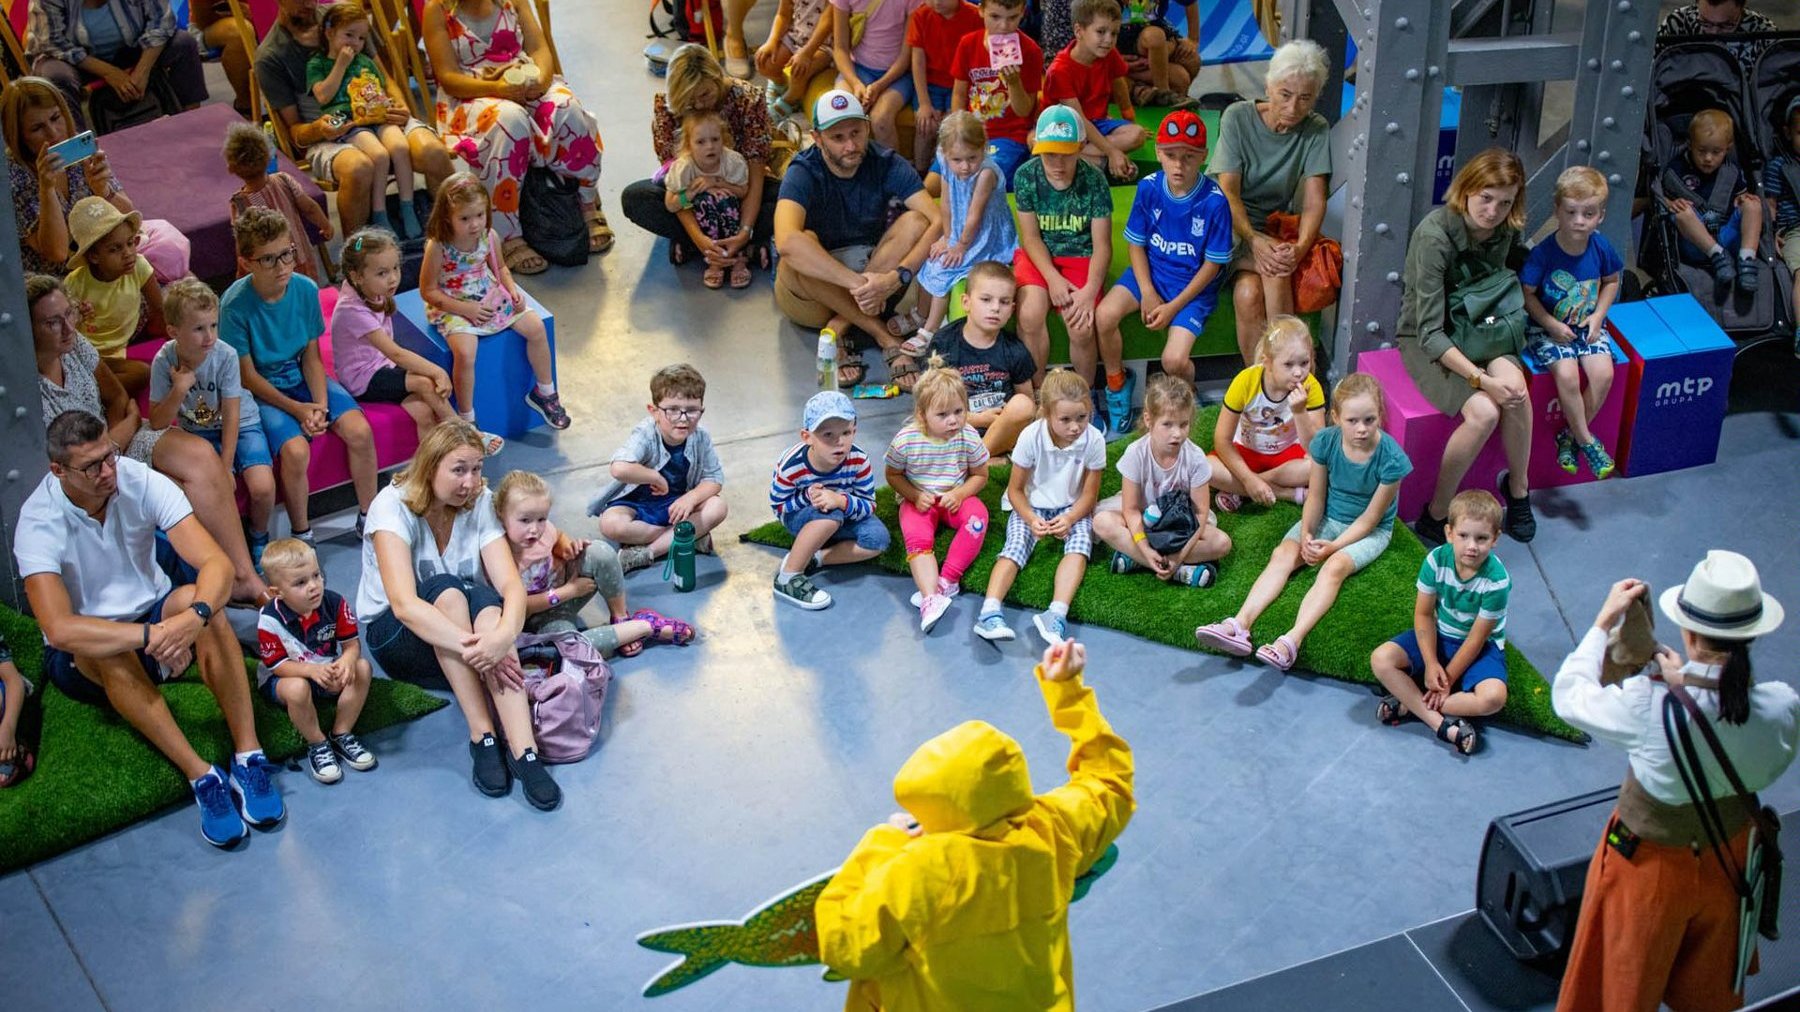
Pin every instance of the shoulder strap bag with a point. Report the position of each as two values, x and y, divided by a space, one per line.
1487 310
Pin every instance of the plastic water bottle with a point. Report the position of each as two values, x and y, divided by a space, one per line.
681 557
828 359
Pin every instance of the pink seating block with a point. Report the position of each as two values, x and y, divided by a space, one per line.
1422 430
396 437
1547 421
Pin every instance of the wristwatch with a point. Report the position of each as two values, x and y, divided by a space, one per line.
1475 380
905 275
552 597
204 610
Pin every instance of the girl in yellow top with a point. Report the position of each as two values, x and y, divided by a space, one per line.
966 907
1272 410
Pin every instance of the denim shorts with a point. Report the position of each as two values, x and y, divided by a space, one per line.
319 692
940 97
869 532
1727 233
252 447
1008 155
903 87
400 651
1490 663
279 426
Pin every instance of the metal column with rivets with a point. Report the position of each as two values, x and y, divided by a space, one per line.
1385 149
22 462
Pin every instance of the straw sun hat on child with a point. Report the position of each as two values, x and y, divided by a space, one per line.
90 220
1723 597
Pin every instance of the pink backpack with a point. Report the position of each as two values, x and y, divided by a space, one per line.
566 704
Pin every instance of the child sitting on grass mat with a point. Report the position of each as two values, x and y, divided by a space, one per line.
1346 523
1272 411
1451 664
996 368
937 467
965 895
17 760
1055 481
823 492
1162 520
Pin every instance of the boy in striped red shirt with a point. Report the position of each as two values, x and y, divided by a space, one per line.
824 494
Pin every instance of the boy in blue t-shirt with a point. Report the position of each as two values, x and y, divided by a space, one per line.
1179 236
1781 191
1570 281
1451 665
271 318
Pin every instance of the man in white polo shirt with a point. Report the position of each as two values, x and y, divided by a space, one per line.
115 624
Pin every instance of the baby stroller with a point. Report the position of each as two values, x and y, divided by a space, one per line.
1686 79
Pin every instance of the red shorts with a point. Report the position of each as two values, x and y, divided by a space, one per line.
1073 269
1260 463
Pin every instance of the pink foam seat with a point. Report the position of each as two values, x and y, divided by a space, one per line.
1422 431
396 437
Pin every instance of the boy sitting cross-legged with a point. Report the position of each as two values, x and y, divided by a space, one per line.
824 494
1451 664
666 472
995 367
310 651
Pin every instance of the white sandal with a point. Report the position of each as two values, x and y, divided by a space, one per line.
918 344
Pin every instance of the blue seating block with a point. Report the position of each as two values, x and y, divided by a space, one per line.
502 371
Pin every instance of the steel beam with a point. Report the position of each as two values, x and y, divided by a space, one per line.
22 462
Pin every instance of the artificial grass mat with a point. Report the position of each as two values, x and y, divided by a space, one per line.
95 774
1374 605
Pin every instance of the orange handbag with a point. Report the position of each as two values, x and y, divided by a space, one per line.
1318 277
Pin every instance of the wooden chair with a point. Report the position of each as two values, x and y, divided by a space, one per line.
396 25
12 33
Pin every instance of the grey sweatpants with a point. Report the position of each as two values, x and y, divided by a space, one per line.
599 563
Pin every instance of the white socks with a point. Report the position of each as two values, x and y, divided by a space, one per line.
243 758
546 389
990 606
1059 609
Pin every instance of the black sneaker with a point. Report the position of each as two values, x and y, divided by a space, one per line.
1723 270
540 790
1747 278
1519 521
490 775
1430 529
322 764
354 754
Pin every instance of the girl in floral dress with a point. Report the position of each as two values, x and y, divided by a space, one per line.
501 108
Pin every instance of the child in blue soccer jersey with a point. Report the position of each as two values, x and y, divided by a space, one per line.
1451 665
1179 236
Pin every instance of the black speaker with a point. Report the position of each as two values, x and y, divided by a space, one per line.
1533 868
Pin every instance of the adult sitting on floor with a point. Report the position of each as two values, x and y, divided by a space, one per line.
441 602
503 109
72 377
853 224
35 116
1273 155
698 85
281 73
123 611
132 46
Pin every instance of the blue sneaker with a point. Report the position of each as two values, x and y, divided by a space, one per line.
254 786
992 627
258 542
1119 415
1051 626
220 823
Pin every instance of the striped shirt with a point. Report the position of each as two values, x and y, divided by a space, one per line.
1775 188
1461 602
283 635
935 465
794 474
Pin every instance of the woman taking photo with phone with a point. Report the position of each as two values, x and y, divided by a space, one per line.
1660 917
35 117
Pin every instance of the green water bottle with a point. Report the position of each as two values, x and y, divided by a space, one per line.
681 557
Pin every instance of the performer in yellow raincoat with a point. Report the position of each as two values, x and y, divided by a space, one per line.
968 910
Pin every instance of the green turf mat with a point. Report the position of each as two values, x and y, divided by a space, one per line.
95 774
1374 605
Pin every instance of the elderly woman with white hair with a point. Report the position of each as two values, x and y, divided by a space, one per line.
1274 155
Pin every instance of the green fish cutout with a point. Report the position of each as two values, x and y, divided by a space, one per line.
780 932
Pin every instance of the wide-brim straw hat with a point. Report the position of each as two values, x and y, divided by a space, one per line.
1723 597
91 219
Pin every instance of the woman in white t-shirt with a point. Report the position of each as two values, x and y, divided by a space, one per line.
1161 461
441 602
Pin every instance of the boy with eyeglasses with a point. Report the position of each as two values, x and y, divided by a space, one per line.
271 318
666 472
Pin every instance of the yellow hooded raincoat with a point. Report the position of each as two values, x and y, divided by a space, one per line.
973 913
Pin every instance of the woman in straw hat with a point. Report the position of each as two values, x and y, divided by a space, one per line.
1659 917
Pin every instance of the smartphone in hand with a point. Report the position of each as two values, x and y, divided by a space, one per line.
78 148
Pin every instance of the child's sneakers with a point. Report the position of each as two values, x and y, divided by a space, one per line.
1201 575
799 591
932 609
992 627
550 406
636 557
1723 271
1230 502
1565 451
258 542
1122 563
322 764
351 750
220 823
252 781
1051 627
945 588
1598 460
1118 408
1747 275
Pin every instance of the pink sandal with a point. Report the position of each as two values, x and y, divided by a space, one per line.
633 648
1227 637
679 633
1280 653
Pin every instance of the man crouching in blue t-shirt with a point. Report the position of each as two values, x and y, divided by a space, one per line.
1179 236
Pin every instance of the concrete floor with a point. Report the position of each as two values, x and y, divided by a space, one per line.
1278 821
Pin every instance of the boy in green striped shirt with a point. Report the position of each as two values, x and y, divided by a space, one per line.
1459 623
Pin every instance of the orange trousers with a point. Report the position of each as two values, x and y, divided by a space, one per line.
1659 928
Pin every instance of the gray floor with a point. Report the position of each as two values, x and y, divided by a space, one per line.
1278 822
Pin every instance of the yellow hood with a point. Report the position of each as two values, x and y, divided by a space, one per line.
964 779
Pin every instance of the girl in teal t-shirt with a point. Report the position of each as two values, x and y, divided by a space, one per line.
1345 524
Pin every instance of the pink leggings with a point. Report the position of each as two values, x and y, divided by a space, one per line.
919 530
